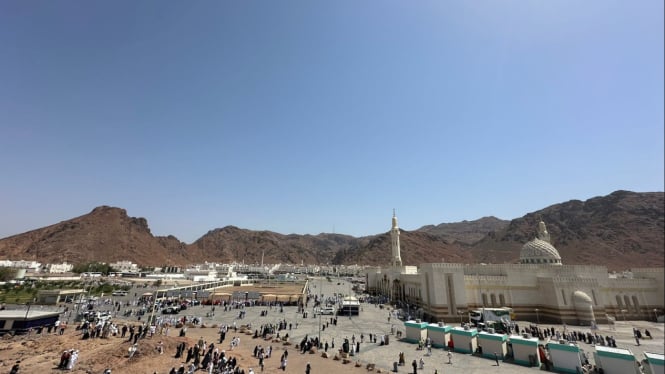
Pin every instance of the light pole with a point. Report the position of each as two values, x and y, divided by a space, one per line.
459 312
655 315
623 311
320 290
537 316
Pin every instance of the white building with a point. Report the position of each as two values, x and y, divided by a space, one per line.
125 266
539 288
30 266
58 268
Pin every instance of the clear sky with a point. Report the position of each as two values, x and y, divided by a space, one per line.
314 116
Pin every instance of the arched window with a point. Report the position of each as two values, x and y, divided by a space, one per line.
636 304
484 299
619 302
626 300
502 300
493 298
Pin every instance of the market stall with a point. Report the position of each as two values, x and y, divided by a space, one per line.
655 361
464 339
415 331
615 360
525 350
565 357
491 343
439 334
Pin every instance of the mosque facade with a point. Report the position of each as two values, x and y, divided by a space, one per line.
540 288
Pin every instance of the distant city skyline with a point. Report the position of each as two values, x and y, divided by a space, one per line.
312 117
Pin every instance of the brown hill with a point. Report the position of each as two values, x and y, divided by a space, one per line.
106 234
467 232
621 230
416 247
231 243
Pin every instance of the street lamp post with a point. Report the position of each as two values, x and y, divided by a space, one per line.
320 290
537 316
655 315
459 312
623 311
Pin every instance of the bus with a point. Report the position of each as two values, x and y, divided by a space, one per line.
93 274
15 322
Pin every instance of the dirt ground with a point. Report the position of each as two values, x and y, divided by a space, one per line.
41 354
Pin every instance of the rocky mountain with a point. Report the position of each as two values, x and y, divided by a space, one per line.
621 230
106 234
466 232
415 247
231 243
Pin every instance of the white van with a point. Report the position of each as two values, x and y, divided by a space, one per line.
328 310
119 293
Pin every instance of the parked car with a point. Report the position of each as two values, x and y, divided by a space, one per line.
170 310
328 310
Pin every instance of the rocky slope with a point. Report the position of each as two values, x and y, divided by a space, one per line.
106 234
466 232
621 230
231 243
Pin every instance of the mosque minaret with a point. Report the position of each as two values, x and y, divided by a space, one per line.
394 243
538 288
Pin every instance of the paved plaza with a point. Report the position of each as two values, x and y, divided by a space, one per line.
374 320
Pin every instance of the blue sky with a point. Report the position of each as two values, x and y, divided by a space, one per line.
314 116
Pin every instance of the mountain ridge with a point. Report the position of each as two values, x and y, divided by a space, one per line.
620 230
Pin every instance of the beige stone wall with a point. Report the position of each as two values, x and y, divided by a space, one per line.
444 290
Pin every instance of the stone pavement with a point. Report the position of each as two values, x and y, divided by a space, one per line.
374 320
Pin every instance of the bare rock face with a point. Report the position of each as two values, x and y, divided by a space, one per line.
621 230
105 234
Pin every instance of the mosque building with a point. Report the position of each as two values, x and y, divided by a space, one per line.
540 288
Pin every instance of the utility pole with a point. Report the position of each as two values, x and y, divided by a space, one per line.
26 313
320 290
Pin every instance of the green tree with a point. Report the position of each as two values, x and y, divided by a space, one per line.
93 267
7 274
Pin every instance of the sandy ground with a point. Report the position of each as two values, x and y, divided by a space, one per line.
41 354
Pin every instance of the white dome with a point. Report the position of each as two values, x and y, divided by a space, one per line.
539 251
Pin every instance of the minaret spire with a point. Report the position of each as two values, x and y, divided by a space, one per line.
394 243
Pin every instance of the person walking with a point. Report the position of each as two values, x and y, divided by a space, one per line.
16 368
450 357
308 368
415 367
496 358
